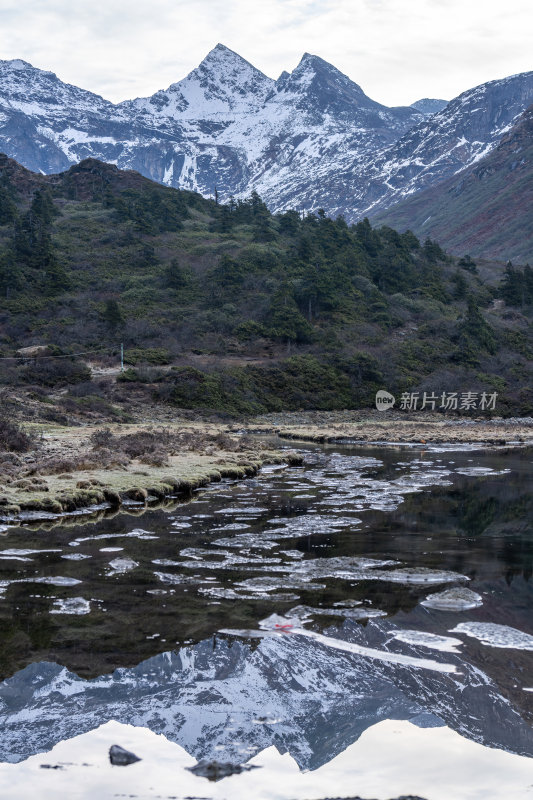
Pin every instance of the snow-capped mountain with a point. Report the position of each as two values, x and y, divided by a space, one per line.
466 130
312 138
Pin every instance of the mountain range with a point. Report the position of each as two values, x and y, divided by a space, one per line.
310 139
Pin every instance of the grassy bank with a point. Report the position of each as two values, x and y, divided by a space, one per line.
61 470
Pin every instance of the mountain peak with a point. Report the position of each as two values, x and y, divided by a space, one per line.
429 105
220 55
17 64
224 83
324 88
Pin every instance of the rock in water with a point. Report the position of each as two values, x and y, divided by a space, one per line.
120 757
216 770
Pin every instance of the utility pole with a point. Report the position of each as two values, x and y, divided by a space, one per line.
122 357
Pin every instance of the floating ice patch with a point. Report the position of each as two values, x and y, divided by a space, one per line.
480 471
380 655
243 510
233 526
54 581
111 549
420 575
165 562
255 540
307 525
347 603
294 617
446 644
138 533
25 552
270 583
172 578
355 613
14 558
210 559
75 557
71 605
494 635
58 580
119 566
222 593
457 599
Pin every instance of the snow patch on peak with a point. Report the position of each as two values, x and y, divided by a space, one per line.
17 64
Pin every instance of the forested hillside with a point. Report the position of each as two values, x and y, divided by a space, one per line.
229 307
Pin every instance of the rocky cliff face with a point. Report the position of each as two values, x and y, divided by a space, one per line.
310 139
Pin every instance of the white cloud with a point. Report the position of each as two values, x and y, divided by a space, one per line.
397 50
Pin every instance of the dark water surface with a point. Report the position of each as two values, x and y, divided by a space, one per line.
288 610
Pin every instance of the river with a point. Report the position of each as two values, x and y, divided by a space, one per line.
360 625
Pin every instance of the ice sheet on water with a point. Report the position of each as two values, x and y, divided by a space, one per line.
26 551
14 558
446 644
347 612
75 556
480 471
243 510
175 578
494 635
420 575
233 526
246 540
119 566
306 525
58 580
224 593
138 533
71 605
269 583
457 599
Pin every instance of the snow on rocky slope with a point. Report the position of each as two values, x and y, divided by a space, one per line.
310 139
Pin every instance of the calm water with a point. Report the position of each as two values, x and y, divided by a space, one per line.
298 613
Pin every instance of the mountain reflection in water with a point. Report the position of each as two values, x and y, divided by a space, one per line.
344 551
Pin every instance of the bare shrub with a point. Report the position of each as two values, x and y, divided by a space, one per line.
13 438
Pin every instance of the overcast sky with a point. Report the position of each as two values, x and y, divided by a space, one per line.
397 50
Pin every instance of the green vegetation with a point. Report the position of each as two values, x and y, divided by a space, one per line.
517 285
231 308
